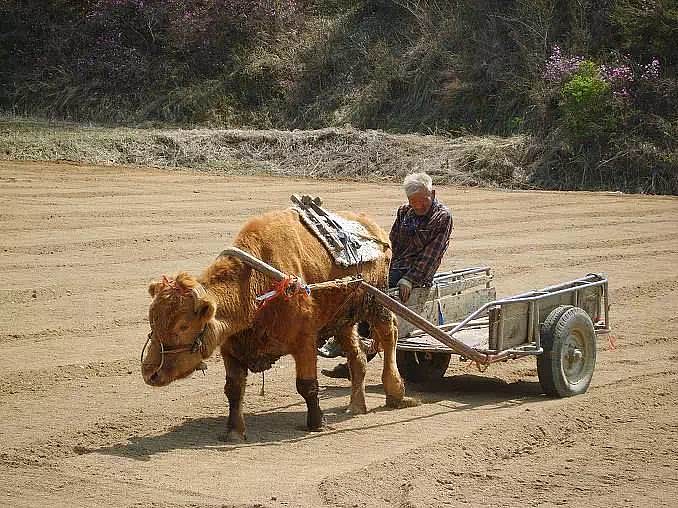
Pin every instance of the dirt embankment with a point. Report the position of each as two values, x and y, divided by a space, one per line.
79 428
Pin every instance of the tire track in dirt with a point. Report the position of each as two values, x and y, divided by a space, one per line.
54 334
61 194
37 382
576 459
545 212
623 343
116 427
214 207
100 434
103 244
508 271
45 293
520 223
122 244
168 257
648 290
130 433
172 255
602 258
41 380
73 225
123 215
516 226
70 488
571 246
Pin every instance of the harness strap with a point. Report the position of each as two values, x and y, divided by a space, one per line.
195 346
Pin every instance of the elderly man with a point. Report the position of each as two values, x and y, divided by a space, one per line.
419 237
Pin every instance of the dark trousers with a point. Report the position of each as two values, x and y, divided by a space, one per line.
394 275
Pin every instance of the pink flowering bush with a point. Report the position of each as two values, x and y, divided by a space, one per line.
593 100
606 121
559 67
621 76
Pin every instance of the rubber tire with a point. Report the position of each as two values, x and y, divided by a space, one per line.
571 322
424 369
546 335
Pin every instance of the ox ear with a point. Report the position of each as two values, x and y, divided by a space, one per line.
154 288
205 309
203 305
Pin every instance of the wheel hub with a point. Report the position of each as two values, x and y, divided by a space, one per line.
573 359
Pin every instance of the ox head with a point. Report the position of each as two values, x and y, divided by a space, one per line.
179 316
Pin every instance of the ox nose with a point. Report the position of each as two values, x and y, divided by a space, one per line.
154 379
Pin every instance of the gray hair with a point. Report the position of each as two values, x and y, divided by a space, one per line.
417 182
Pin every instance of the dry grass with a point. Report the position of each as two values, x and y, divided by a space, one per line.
325 153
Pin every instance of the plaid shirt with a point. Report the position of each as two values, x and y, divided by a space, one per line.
419 242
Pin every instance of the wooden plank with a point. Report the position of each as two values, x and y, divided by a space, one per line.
475 338
318 222
457 307
514 316
474 323
448 287
454 308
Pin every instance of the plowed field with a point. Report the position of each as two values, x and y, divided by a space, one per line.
78 427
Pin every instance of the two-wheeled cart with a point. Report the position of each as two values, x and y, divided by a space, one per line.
460 315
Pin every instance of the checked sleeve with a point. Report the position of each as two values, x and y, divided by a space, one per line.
428 261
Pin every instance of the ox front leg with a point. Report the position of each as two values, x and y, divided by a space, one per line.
307 384
386 332
234 388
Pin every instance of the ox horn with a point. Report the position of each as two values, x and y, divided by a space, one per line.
199 292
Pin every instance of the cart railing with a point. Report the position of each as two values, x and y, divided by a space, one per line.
531 347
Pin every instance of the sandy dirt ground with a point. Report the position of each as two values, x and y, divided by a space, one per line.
78 427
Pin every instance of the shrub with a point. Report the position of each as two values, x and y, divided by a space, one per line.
588 111
602 125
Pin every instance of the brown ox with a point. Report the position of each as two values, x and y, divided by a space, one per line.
190 317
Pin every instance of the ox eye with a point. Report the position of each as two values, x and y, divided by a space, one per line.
183 328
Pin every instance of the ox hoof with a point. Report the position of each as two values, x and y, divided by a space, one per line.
401 403
356 409
318 426
232 436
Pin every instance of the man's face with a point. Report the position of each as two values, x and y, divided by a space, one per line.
421 201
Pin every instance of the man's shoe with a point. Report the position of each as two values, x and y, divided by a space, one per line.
341 371
364 329
331 349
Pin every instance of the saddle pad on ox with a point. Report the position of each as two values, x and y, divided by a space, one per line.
347 241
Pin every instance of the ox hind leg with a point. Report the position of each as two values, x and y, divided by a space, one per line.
234 388
357 364
385 332
306 363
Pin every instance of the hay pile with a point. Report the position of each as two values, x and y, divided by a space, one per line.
337 153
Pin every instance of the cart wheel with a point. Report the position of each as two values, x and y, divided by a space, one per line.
547 327
419 366
569 341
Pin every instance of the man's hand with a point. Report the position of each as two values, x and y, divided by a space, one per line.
404 289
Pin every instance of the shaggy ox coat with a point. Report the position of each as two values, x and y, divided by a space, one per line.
190 317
